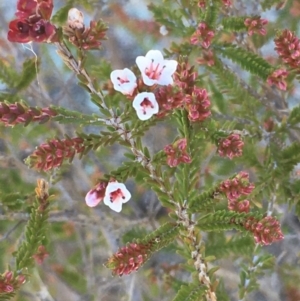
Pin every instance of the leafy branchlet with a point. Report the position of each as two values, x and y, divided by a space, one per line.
200 194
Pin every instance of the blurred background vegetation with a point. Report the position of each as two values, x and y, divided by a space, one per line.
81 238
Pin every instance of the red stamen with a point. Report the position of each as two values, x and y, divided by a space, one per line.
122 81
116 194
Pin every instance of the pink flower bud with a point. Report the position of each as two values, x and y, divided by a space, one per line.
96 195
231 147
237 187
176 153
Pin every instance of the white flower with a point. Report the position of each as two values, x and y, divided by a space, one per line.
116 194
145 105
124 81
156 70
163 30
75 18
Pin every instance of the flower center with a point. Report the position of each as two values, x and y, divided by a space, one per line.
122 81
146 103
154 71
23 28
117 194
39 29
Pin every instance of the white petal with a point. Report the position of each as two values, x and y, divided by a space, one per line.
142 113
117 204
165 80
148 81
163 30
152 59
155 56
142 63
113 186
75 15
126 74
75 18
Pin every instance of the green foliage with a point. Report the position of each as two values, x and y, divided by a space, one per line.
187 194
212 13
35 233
61 15
172 19
205 201
267 4
7 75
190 292
234 24
13 201
288 158
223 220
228 84
7 296
29 73
135 233
221 247
66 116
74 279
249 61
126 170
250 274
294 116
162 236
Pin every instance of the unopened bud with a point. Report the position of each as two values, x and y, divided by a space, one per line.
75 18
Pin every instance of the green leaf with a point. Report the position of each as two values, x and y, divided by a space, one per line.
61 15
234 24
29 73
294 117
191 292
249 61
212 13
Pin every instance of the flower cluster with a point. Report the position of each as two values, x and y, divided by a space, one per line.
256 25
176 153
231 147
164 98
234 189
128 259
197 104
185 76
41 255
11 114
277 78
203 36
113 194
155 70
266 231
9 283
81 36
207 58
168 99
287 46
32 23
52 154
239 206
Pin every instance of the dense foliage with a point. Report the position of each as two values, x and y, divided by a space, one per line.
165 144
